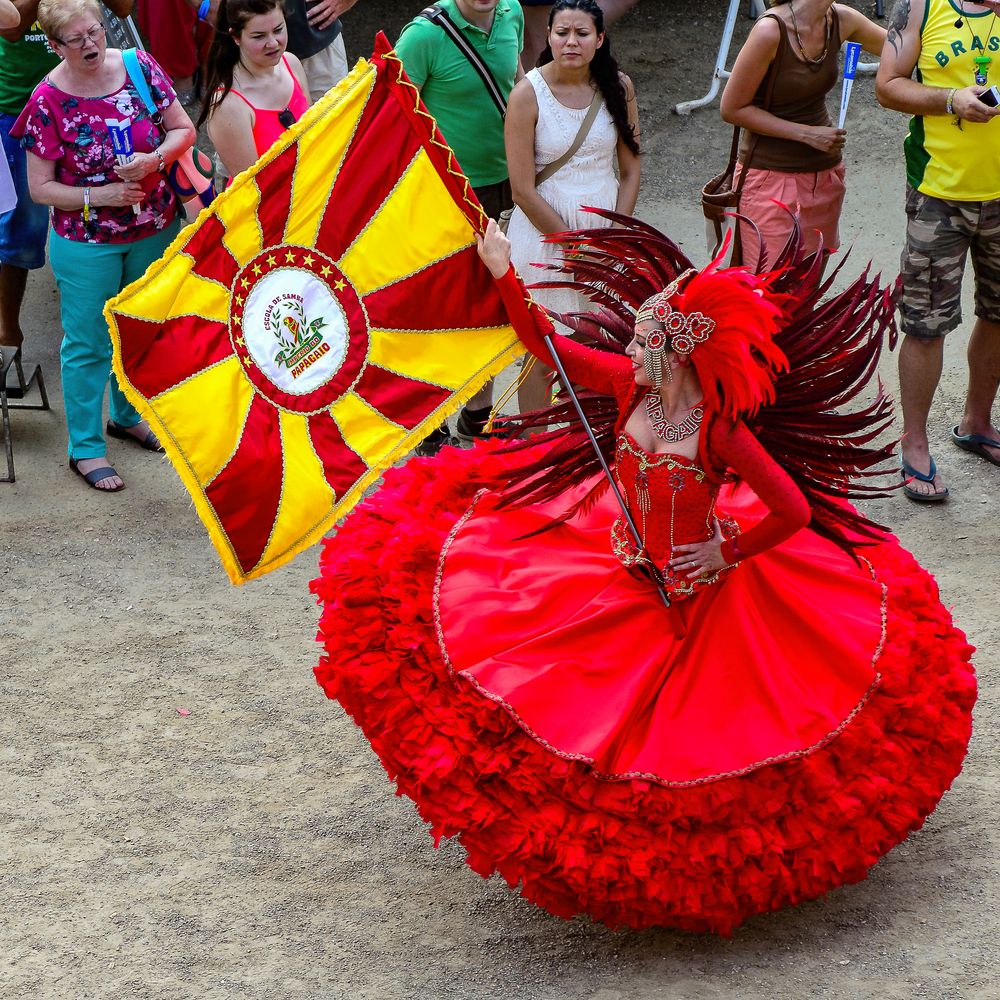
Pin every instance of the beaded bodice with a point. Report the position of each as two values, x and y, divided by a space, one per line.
672 502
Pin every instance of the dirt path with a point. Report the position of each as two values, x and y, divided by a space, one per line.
253 848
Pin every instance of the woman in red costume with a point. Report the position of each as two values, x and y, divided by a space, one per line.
738 702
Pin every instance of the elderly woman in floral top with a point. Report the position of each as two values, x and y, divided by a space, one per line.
109 221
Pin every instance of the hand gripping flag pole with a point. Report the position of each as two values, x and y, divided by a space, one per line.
600 457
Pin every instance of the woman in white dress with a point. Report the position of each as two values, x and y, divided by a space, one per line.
544 115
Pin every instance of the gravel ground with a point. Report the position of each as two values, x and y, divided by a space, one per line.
253 848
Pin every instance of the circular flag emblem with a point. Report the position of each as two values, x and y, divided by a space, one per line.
298 327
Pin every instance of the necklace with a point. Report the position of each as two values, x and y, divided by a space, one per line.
827 26
981 62
667 430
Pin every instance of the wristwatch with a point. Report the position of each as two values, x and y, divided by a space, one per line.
159 156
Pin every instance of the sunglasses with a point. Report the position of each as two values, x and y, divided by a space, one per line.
286 118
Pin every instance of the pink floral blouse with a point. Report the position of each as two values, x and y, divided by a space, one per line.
70 130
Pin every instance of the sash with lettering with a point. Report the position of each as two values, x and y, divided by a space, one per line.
320 318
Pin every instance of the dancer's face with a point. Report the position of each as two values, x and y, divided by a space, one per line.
636 351
574 38
263 40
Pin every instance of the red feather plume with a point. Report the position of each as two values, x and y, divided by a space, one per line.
785 359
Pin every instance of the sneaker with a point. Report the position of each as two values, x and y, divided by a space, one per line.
471 424
434 442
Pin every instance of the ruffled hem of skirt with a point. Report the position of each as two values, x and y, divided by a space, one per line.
628 853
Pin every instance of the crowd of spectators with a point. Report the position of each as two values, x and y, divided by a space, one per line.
248 69
934 66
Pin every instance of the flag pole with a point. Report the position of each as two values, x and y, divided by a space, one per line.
600 457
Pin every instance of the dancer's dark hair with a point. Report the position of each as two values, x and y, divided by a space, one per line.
225 53
603 69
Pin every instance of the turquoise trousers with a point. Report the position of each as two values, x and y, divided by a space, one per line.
88 274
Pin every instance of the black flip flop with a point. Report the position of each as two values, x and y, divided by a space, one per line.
976 443
149 443
93 477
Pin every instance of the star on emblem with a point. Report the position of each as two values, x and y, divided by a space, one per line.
340 285
308 260
239 300
290 256
257 269
325 271
271 260
245 282
241 342
238 320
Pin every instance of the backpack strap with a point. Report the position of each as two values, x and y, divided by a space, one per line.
439 16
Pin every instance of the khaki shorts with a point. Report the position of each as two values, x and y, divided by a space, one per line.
326 69
939 235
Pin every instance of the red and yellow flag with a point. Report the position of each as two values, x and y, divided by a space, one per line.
321 317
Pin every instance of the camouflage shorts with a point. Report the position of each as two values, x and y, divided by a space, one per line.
939 235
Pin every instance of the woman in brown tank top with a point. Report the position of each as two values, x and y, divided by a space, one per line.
793 149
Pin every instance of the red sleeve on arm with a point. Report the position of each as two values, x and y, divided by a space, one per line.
610 374
788 509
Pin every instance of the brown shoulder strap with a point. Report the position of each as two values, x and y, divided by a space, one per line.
584 130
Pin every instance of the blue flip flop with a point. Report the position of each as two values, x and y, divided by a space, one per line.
908 472
976 443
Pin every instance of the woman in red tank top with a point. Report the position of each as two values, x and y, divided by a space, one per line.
794 151
255 89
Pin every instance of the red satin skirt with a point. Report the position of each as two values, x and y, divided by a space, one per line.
756 745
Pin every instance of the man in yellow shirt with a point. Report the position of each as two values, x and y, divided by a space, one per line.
953 208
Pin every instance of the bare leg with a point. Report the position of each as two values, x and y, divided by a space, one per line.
483 398
614 9
984 380
13 281
536 33
920 363
86 465
534 393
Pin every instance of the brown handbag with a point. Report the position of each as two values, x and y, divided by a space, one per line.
720 199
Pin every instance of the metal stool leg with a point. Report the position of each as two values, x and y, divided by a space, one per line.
8 444
24 385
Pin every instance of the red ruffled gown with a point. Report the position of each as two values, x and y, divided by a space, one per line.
767 738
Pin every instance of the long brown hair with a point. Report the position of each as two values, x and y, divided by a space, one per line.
603 69
225 53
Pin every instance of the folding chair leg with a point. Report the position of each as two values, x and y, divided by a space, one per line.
8 444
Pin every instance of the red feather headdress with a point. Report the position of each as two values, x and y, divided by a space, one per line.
786 360
738 360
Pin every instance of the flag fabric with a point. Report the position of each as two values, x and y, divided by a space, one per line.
316 322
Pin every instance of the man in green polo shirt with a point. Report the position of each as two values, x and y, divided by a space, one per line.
24 59
469 119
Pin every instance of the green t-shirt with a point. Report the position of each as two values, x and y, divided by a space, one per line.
454 93
22 66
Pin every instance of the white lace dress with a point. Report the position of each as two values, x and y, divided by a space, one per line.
588 179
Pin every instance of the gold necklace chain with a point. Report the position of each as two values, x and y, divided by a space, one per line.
812 63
